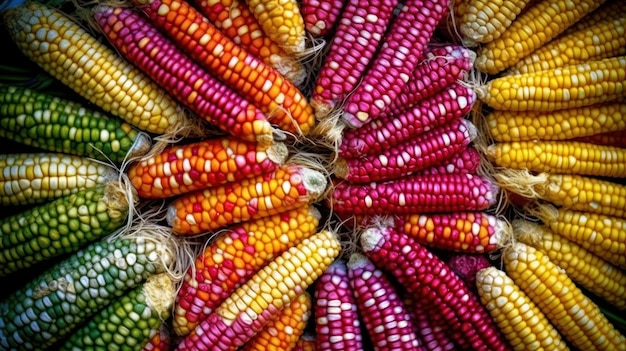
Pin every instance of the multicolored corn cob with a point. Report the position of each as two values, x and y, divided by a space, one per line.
320 17
160 339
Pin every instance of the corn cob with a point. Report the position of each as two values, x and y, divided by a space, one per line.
55 124
614 139
32 178
610 10
571 86
286 188
137 40
561 156
421 272
578 319
448 105
283 332
62 226
606 39
264 295
278 98
402 48
466 265
337 321
77 59
521 321
160 339
505 126
588 269
424 151
306 343
385 316
415 194
427 322
198 165
600 234
484 21
467 160
233 258
54 303
321 17
282 22
126 323
541 22
236 21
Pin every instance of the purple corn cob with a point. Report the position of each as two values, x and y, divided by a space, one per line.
466 161
403 48
143 45
441 66
359 32
320 16
423 274
415 194
430 326
450 104
424 151
337 323
385 316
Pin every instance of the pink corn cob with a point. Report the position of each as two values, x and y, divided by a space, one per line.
424 274
385 316
142 44
466 161
452 103
320 16
337 323
415 194
441 66
617 139
403 47
429 325
424 151
360 29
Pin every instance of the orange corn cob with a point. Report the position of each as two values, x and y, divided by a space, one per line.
233 258
184 168
286 188
307 342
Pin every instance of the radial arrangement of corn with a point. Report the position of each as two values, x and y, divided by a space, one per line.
295 175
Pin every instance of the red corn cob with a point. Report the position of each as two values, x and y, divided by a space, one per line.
428 323
616 138
470 232
184 168
234 19
284 189
385 316
320 16
233 258
466 161
415 194
414 155
249 308
403 47
360 29
337 323
143 45
260 84
452 103
466 266
424 274
441 66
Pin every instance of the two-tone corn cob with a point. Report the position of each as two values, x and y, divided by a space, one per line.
484 21
249 308
68 52
56 124
31 178
576 316
235 256
320 17
126 323
282 21
54 303
198 165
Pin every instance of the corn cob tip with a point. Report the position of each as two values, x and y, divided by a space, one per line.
119 198
140 147
357 260
371 238
315 183
160 293
278 152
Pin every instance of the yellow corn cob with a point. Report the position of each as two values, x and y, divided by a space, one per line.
608 11
560 156
505 126
31 178
585 267
605 236
520 320
540 23
282 21
576 316
283 332
96 72
577 85
485 20
605 39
